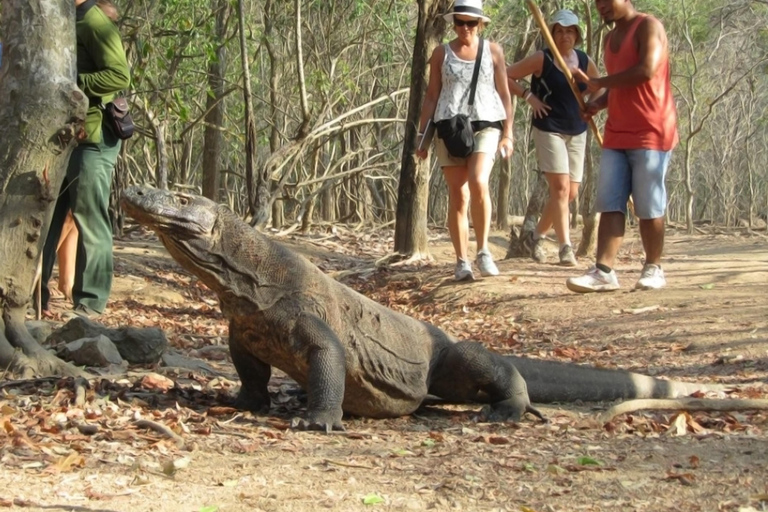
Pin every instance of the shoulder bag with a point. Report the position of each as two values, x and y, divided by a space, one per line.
456 132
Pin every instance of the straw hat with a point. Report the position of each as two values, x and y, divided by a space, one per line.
473 8
566 18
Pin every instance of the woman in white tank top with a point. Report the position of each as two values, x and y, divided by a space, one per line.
451 69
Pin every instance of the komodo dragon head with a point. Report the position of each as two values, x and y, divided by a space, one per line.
210 241
186 224
176 215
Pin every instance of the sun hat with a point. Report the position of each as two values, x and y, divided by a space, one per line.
473 8
566 18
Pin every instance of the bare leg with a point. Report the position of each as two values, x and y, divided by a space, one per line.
556 210
479 171
458 200
66 253
652 234
610 234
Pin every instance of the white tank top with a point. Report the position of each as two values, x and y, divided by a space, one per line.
456 79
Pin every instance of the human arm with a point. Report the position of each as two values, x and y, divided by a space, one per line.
531 65
434 86
506 144
105 48
651 40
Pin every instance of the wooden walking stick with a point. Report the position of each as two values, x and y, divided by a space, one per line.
561 62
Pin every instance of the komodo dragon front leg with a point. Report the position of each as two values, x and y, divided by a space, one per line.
327 373
468 372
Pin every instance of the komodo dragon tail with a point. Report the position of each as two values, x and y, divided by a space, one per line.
552 381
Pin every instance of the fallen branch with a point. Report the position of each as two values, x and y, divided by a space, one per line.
22 382
683 404
162 429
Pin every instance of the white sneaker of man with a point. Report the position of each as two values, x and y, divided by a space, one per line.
595 280
651 278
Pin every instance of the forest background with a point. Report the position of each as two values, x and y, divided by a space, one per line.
325 93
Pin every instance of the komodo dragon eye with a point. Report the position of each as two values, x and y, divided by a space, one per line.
183 201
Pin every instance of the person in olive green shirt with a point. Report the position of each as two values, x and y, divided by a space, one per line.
102 72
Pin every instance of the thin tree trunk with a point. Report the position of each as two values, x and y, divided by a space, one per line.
412 194
214 118
587 195
524 44
41 112
517 236
256 183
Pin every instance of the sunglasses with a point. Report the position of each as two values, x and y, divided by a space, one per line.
469 23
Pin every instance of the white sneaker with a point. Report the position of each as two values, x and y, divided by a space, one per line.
595 280
651 278
463 271
485 263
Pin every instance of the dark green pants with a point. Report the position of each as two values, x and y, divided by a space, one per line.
85 191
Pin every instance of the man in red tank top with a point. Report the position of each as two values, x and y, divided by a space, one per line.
640 133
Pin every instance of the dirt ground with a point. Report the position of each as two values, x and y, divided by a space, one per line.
709 325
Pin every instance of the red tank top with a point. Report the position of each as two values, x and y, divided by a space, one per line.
641 117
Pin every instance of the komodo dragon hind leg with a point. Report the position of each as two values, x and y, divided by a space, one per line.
327 374
468 372
254 376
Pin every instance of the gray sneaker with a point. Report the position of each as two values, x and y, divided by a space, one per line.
485 263
463 271
567 258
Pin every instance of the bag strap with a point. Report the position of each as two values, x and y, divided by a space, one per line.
476 72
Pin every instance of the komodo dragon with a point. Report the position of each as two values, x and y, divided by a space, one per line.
348 352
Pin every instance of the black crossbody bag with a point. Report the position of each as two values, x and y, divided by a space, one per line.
457 132
118 118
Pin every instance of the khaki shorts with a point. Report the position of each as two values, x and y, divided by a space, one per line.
486 141
560 154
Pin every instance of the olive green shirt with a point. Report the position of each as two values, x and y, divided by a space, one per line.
102 69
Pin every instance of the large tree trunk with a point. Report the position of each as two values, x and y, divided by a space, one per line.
412 194
41 112
214 118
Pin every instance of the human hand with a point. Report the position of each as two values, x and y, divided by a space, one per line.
506 146
592 84
540 109
590 109
422 153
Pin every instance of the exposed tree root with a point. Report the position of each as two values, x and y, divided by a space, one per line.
399 259
23 356
683 404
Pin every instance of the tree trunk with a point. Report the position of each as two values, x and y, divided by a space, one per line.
588 214
412 194
41 112
524 43
256 183
589 185
214 118
517 235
